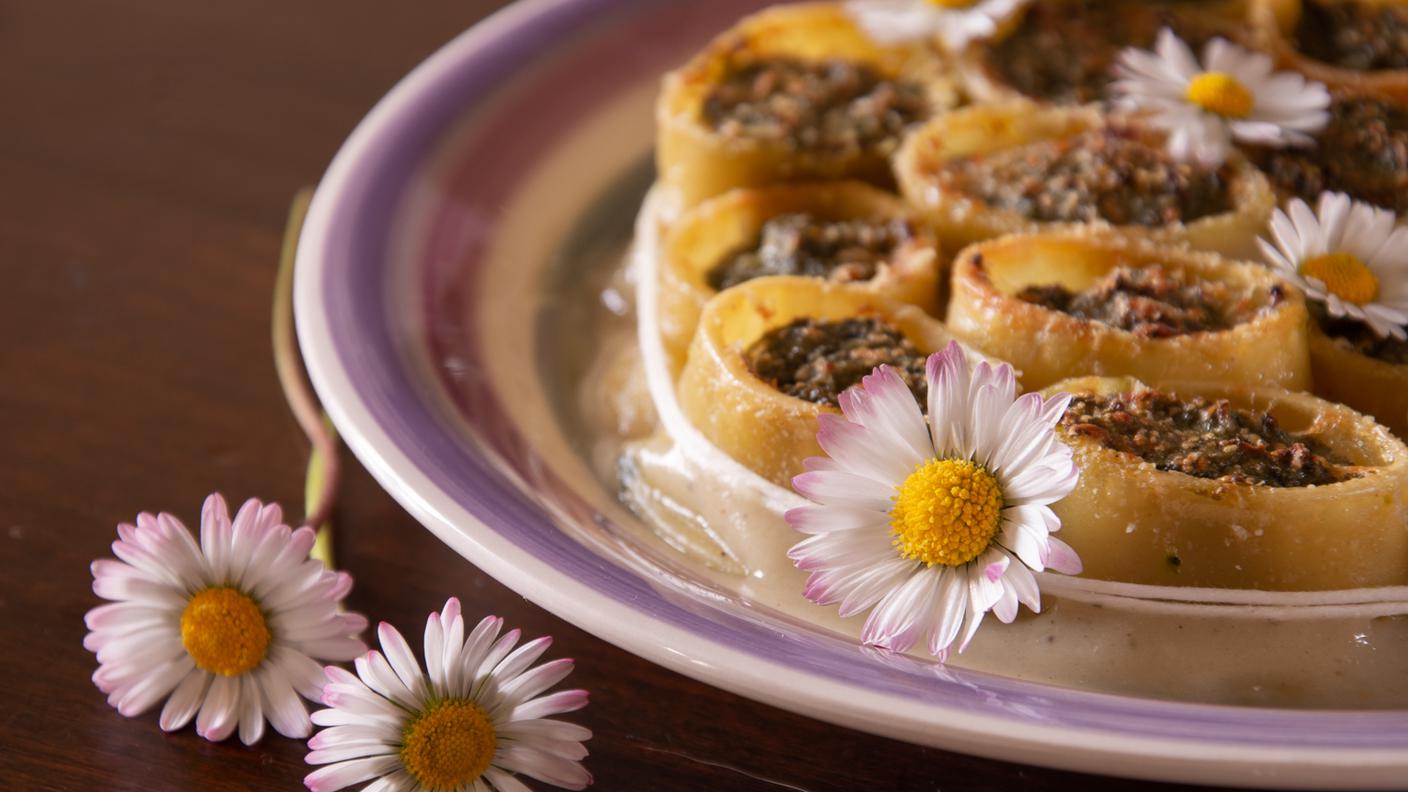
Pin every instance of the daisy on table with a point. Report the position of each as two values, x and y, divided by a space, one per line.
1232 93
1348 255
930 526
233 629
954 22
470 721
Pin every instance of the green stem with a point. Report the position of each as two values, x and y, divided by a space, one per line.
321 484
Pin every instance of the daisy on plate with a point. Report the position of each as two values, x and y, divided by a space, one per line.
931 526
471 721
1350 256
954 22
233 629
1231 94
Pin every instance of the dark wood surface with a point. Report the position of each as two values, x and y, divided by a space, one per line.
148 152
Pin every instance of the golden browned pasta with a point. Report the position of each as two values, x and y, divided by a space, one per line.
844 231
763 341
988 170
1370 385
1314 497
1349 45
1062 51
1084 301
730 117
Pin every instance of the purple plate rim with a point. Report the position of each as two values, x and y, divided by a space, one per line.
349 344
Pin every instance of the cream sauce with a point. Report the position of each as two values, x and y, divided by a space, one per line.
1252 648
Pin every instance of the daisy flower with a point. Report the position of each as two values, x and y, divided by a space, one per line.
471 721
1351 256
954 22
933 526
1232 93
232 628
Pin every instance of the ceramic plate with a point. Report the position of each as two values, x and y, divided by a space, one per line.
429 291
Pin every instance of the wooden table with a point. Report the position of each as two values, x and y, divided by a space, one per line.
148 152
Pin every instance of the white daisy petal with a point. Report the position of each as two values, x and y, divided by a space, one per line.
1022 582
1231 92
434 643
217 717
215 535
503 782
949 388
861 451
837 488
851 585
524 656
894 623
972 619
552 704
546 728
870 585
251 712
184 701
155 684
398 653
1179 57
244 537
1359 246
529 760
1061 558
531 683
484 685
281 703
399 781
495 655
345 774
379 676
948 616
884 405
875 531
899 21
191 621
1005 609
471 657
374 738
334 717
345 752
821 519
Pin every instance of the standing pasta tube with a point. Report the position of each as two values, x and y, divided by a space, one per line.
1062 51
1362 152
844 232
1083 301
1371 377
989 170
1349 45
792 93
1224 486
772 354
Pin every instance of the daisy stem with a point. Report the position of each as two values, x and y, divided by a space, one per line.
321 483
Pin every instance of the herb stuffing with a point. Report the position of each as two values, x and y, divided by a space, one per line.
1204 438
802 244
817 360
833 106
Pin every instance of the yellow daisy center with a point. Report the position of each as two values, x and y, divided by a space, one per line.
946 512
1344 276
1221 93
224 631
953 3
449 744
